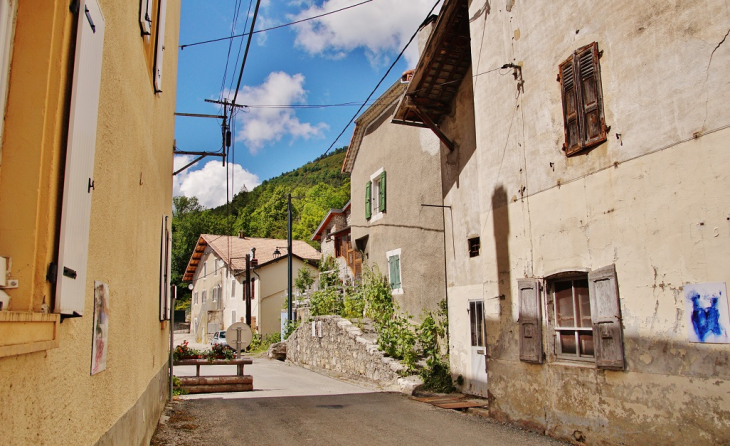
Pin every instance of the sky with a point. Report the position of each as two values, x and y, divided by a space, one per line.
336 59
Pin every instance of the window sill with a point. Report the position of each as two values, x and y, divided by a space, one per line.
375 217
396 291
580 363
24 332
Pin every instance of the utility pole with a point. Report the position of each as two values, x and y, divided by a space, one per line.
289 258
247 290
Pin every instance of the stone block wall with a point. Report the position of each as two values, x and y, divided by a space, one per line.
336 344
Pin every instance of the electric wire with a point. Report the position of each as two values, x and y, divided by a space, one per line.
182 47
352 119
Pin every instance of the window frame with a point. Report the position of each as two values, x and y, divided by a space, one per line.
480 323
559 331
388 256
7 35
471 244
376 208
575 75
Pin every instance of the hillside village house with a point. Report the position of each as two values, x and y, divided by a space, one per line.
335 239
85 209
585 161
217 271
394 172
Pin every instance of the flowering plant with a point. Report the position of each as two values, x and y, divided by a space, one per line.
220 351
183 350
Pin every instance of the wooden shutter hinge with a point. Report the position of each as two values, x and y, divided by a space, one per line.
90 186
52 272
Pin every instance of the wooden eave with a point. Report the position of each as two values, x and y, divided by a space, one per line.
195 260
440 70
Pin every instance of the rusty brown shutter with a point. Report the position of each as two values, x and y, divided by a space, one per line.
591 97
530 320
570 96
606 316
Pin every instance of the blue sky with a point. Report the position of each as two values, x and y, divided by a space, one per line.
336 59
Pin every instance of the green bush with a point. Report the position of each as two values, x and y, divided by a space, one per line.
325 302
260 344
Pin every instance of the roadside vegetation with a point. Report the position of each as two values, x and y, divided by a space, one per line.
417 346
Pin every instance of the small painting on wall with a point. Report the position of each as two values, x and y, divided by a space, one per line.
707 312
100 338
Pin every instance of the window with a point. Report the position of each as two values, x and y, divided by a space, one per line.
215 266
233 317
253 288
204 296
584 318
394 271
476 318
195 297
474 246
582 97
205 269
375 196
233 288
572 316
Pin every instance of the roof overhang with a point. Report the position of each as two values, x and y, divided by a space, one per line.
327 218
441 68
198 252
375 111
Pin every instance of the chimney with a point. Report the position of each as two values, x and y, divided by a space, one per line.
424 32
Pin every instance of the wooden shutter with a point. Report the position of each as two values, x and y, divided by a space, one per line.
530 320
606 316
73 239
591 97
233 288
161 15
368 202
382 192
145 16
570 96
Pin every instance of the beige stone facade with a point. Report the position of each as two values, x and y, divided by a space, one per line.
47 391
644 211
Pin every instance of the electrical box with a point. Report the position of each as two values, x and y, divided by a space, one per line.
3 271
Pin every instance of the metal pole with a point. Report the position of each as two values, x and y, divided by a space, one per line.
247 290
288 260
172 333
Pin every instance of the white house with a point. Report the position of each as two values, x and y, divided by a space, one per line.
217 271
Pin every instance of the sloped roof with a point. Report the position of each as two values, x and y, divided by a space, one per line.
368 117
232 250
442 66
327 218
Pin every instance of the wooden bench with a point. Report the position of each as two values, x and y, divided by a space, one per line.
219 383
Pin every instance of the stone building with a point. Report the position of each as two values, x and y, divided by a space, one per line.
394 172
585 162
335 239
85 218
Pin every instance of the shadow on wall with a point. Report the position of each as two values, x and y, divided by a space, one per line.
502 338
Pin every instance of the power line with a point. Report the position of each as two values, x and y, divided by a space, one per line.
368 98
344 104
245 54
182 47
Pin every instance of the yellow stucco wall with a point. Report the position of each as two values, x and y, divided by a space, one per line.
49 397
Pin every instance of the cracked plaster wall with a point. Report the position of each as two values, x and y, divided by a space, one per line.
653 200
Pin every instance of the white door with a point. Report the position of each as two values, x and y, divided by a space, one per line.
477 380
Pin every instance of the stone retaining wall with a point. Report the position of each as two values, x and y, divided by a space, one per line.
335 344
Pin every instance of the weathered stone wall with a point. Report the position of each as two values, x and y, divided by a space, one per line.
340 346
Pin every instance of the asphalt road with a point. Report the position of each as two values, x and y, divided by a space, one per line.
292 405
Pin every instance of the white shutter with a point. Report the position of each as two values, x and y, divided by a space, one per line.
145 16
78 177
7 27
161 14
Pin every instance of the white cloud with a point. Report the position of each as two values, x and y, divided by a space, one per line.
382 28
267 125
209 183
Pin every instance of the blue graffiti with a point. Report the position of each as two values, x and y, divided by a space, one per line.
706 321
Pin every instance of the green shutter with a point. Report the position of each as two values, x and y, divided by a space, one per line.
391 268
368 212
382 192
396 262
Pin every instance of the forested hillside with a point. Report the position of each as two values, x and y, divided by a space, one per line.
261 212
